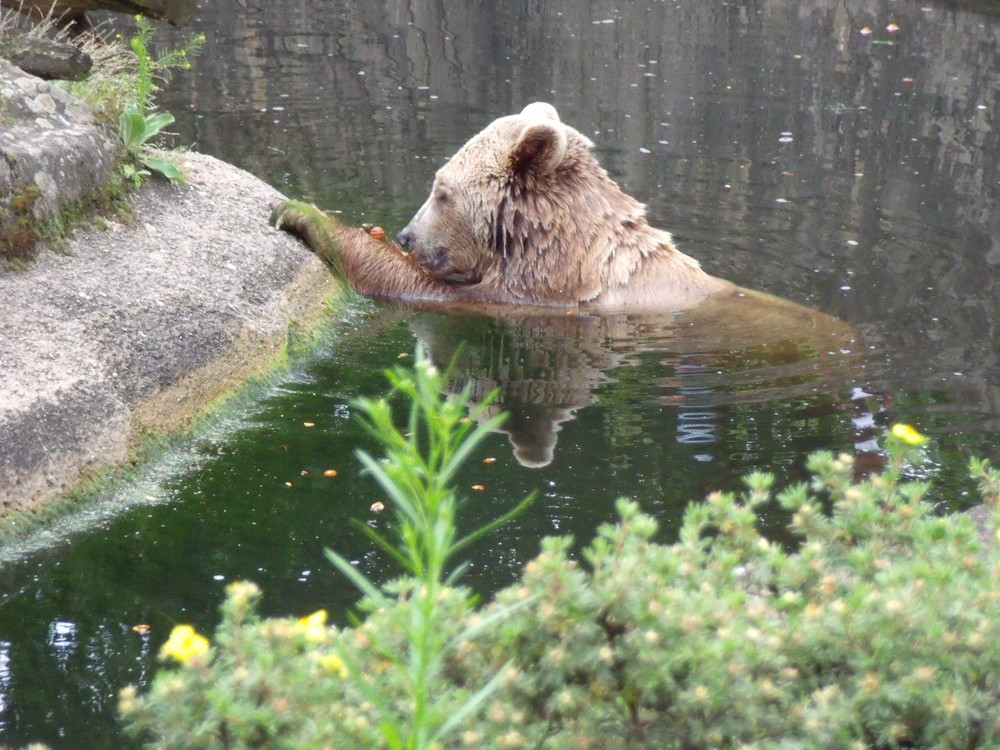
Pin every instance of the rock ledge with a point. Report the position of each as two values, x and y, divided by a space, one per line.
135 328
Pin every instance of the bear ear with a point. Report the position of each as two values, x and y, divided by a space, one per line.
540 148
540 111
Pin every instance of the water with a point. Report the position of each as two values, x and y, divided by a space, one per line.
854 173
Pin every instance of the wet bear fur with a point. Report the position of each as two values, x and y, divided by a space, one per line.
522 215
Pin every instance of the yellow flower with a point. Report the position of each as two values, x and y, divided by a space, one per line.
334 664
313 627
184 644
907 434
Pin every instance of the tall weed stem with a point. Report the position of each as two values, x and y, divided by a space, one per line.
417 475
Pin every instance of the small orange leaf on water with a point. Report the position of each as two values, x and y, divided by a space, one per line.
288 484
892 27
377 232
303 473
865 31
308 424
141 628
489 460
330 473
378 507
478 487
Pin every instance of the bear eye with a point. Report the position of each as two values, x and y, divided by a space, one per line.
441 193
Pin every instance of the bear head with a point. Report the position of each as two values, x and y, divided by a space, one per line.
524 206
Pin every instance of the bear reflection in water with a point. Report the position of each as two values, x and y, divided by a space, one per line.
524 225
546 367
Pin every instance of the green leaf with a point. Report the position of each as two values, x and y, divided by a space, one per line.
131 126
137 176
156 123
468 444
472 705
166 168
494 617
386 545
151 126
397 495
474 535
356 577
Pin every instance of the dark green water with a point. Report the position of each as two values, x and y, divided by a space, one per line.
655 429
854 173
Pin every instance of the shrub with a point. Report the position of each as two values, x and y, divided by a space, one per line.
879 629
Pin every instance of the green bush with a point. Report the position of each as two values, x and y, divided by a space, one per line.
880 629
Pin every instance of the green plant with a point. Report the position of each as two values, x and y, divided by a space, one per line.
139 122
416 475
120 89
135 129
880 629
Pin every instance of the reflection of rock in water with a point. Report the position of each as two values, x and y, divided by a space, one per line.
545 366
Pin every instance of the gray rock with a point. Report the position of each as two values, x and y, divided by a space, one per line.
51 151
127 329
49 59
132 329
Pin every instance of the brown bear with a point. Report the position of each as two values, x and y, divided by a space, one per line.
524 225
523 215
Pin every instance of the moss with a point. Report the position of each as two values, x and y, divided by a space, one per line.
23 202
86 209
22 233
18 234
17 243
